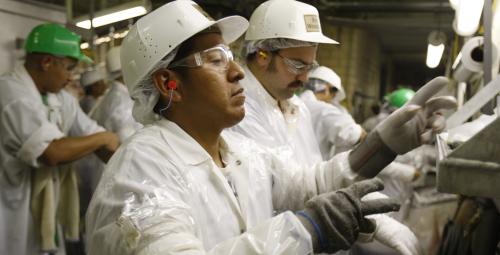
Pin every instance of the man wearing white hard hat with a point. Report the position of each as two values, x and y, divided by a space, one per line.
183 184
280 50
335 129
94 84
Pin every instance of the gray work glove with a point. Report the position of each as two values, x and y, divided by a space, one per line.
335 219
405 129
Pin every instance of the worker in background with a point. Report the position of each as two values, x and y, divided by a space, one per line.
114 111
393 101
185 185
278 58
95 86
334 128
44 130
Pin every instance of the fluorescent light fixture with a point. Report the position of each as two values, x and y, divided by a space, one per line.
84 45
468 14
435 48
434 54
115 14
104 39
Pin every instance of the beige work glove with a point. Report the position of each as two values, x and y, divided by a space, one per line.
405 129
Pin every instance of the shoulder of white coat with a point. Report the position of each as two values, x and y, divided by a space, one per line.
11 90
144 153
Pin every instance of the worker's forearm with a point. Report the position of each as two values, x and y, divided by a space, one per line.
72 148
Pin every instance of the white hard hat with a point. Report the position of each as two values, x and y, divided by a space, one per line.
155 35
92 76
326 74
113 60
286 19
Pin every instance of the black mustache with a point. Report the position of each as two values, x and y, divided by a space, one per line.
296 83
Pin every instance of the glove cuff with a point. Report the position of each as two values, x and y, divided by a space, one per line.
313 228
370 156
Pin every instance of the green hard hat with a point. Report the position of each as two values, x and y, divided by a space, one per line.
399 97
56 40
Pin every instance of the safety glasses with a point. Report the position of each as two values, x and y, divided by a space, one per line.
295 66
217 58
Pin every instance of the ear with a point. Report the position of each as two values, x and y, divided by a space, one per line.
263 57
46 62
161 78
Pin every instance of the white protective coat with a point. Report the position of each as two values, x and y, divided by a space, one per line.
26 132
288 130
113 111
334 127
162 193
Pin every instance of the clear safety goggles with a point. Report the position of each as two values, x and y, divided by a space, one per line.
297 67
217 58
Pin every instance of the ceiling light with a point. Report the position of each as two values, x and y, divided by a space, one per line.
115 14
468 15
435 48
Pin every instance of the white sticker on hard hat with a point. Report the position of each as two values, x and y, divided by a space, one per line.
312 23
197 7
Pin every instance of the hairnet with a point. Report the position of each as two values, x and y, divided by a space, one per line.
272 44
145 95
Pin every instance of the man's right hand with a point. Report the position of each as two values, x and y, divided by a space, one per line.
335 219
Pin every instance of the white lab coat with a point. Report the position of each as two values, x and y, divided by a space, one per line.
162 193
335 129
285 127
114 111
28 126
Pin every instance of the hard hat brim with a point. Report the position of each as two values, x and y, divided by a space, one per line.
232 27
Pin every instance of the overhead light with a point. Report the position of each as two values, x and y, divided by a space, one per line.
435 48
115 14
467 16
104 39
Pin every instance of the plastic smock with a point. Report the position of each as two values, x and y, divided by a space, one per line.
334 127
28 126
162 193
286 129
284 125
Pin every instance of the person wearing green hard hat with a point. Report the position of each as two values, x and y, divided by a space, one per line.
43 131
399 97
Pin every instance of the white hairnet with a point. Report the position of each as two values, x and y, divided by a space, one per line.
145 95
272 44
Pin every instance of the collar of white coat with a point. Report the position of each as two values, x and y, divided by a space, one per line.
254 89
186 148
20 73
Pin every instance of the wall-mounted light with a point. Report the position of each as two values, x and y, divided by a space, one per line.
467 16
115 14
435 48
